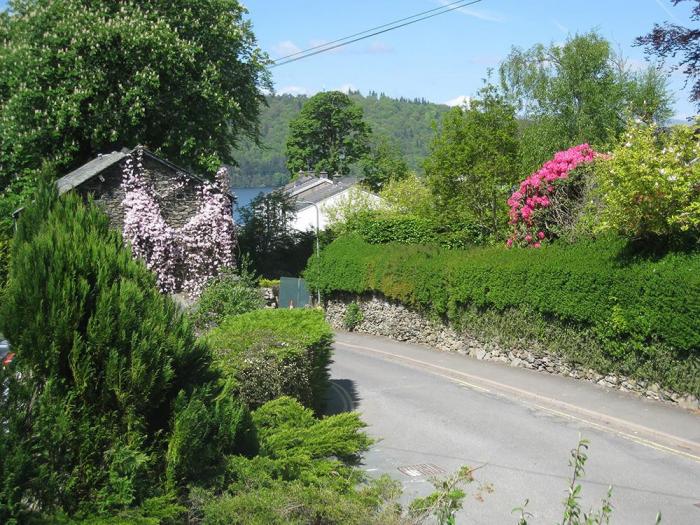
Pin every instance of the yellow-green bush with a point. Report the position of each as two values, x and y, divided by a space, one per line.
650 185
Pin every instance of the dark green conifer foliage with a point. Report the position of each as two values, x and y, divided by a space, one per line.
94 410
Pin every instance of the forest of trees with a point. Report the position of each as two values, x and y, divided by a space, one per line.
407 123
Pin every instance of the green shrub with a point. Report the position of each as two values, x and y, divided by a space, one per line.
106 373
225 295
639 311
274 352
353 316
651 183
269 283
303 474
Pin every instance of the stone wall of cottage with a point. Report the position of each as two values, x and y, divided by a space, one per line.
394 320
179 197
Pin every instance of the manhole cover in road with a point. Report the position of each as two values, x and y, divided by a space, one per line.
425 469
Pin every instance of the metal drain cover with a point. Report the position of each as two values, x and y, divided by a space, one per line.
424 469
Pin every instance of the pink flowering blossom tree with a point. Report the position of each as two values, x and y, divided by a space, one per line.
540 192
185 258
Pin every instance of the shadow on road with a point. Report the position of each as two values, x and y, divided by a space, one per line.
341 397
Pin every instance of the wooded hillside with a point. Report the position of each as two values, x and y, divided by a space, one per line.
407 122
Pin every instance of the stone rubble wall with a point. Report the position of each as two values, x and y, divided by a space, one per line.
271 296
391 319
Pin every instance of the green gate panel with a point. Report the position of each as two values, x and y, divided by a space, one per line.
293 293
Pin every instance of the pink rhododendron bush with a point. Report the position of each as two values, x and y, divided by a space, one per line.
549 201
185 258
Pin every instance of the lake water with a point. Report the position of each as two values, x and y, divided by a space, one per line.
244 196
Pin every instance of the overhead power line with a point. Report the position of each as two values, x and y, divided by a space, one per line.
396 24
279 59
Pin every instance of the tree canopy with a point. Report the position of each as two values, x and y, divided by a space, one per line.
79 78
668 40
407 123
329 134
383 164
578 92
473 161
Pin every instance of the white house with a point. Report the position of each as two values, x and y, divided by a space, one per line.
324 193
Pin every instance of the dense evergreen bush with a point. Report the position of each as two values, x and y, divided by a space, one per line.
274 352
303 474
640 311
110 400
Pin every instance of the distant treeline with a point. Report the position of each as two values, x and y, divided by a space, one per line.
408 123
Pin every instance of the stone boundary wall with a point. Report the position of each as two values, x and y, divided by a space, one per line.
394 320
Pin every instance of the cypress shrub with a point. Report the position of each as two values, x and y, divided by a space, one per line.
97 407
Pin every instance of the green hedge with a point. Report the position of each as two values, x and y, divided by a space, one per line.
381 228
649 307
274 352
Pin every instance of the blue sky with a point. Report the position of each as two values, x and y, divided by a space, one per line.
445 57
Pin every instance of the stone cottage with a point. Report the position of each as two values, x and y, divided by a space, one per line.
176 188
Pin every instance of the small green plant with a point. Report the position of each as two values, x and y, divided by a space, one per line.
228 294
268 283
448 498
353 316
573 514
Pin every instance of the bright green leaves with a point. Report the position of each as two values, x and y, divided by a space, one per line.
328 135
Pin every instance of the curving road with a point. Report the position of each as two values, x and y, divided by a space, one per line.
436 411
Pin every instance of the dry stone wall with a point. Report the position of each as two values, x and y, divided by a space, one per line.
394 320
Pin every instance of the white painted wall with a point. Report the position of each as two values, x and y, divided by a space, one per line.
306 218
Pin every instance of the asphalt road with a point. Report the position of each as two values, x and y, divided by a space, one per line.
435 412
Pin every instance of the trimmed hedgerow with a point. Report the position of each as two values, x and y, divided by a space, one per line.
630 305
382 228
271 353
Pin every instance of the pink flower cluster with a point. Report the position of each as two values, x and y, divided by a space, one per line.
536 191
182 258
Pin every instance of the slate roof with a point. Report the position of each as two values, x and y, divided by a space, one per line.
309 189
104 161
96 166
87 171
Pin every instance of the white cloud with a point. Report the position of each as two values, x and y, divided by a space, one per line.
293 90
284 48
462 101
482 14
319 42
485 59
378 47
346 88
